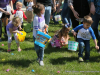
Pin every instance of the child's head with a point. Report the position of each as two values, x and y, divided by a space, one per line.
87 21
38 9
64 31
19 5
16 21
29 0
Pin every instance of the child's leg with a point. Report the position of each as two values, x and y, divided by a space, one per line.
36 47
87 48
41 51
9 39
81 47
17 42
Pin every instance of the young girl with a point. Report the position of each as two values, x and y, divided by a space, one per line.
39 25
12 27
61 37
19 13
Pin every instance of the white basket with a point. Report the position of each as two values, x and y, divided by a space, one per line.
72 45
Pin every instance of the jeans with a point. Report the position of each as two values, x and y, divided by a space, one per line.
83 43
39 50
96 18
14 5
66 14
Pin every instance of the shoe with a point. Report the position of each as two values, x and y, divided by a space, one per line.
41 63
38 59
81 59
9 50
19 49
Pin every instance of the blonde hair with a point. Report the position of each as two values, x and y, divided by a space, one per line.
16 21
19 3
88 19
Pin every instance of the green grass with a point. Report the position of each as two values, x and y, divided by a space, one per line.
63 60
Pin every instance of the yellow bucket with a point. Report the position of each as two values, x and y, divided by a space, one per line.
21 37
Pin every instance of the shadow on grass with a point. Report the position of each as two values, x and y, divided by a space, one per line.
26 49
62 60
18 63
50 49
5 50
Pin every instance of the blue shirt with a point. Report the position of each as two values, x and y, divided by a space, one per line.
83 33
97 5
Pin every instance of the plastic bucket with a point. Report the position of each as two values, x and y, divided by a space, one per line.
57 18
72 45
21 37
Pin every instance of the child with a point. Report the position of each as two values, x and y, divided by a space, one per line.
12 28
39 25
4 14
61 38
19 13
84 35
30 4
29 11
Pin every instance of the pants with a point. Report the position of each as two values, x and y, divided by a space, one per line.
10 37
66 14
83 43
39 50
96 18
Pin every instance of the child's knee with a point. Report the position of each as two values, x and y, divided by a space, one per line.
81 44
9 40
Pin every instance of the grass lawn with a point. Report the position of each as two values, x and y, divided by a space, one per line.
55 59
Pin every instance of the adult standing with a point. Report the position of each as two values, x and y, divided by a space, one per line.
14 3
5 9
80 8
65 14
47 4
95 13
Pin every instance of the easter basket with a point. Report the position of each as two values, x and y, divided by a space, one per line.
21 37
42 39
72 45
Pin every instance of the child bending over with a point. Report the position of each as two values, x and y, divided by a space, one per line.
12 27
83 36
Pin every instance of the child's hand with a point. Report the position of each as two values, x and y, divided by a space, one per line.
97 47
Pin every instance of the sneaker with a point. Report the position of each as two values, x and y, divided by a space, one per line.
38 59
19 49
41 63
81 59
9 50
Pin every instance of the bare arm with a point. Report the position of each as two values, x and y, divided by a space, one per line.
96 46
92 8
11 4
34 1
72 8
54 9
11 31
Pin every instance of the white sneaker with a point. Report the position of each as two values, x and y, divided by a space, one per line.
41 63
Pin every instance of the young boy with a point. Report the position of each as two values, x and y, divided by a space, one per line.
83 37
19 13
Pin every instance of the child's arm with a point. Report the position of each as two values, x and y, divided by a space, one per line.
24 16
11 31
96 46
